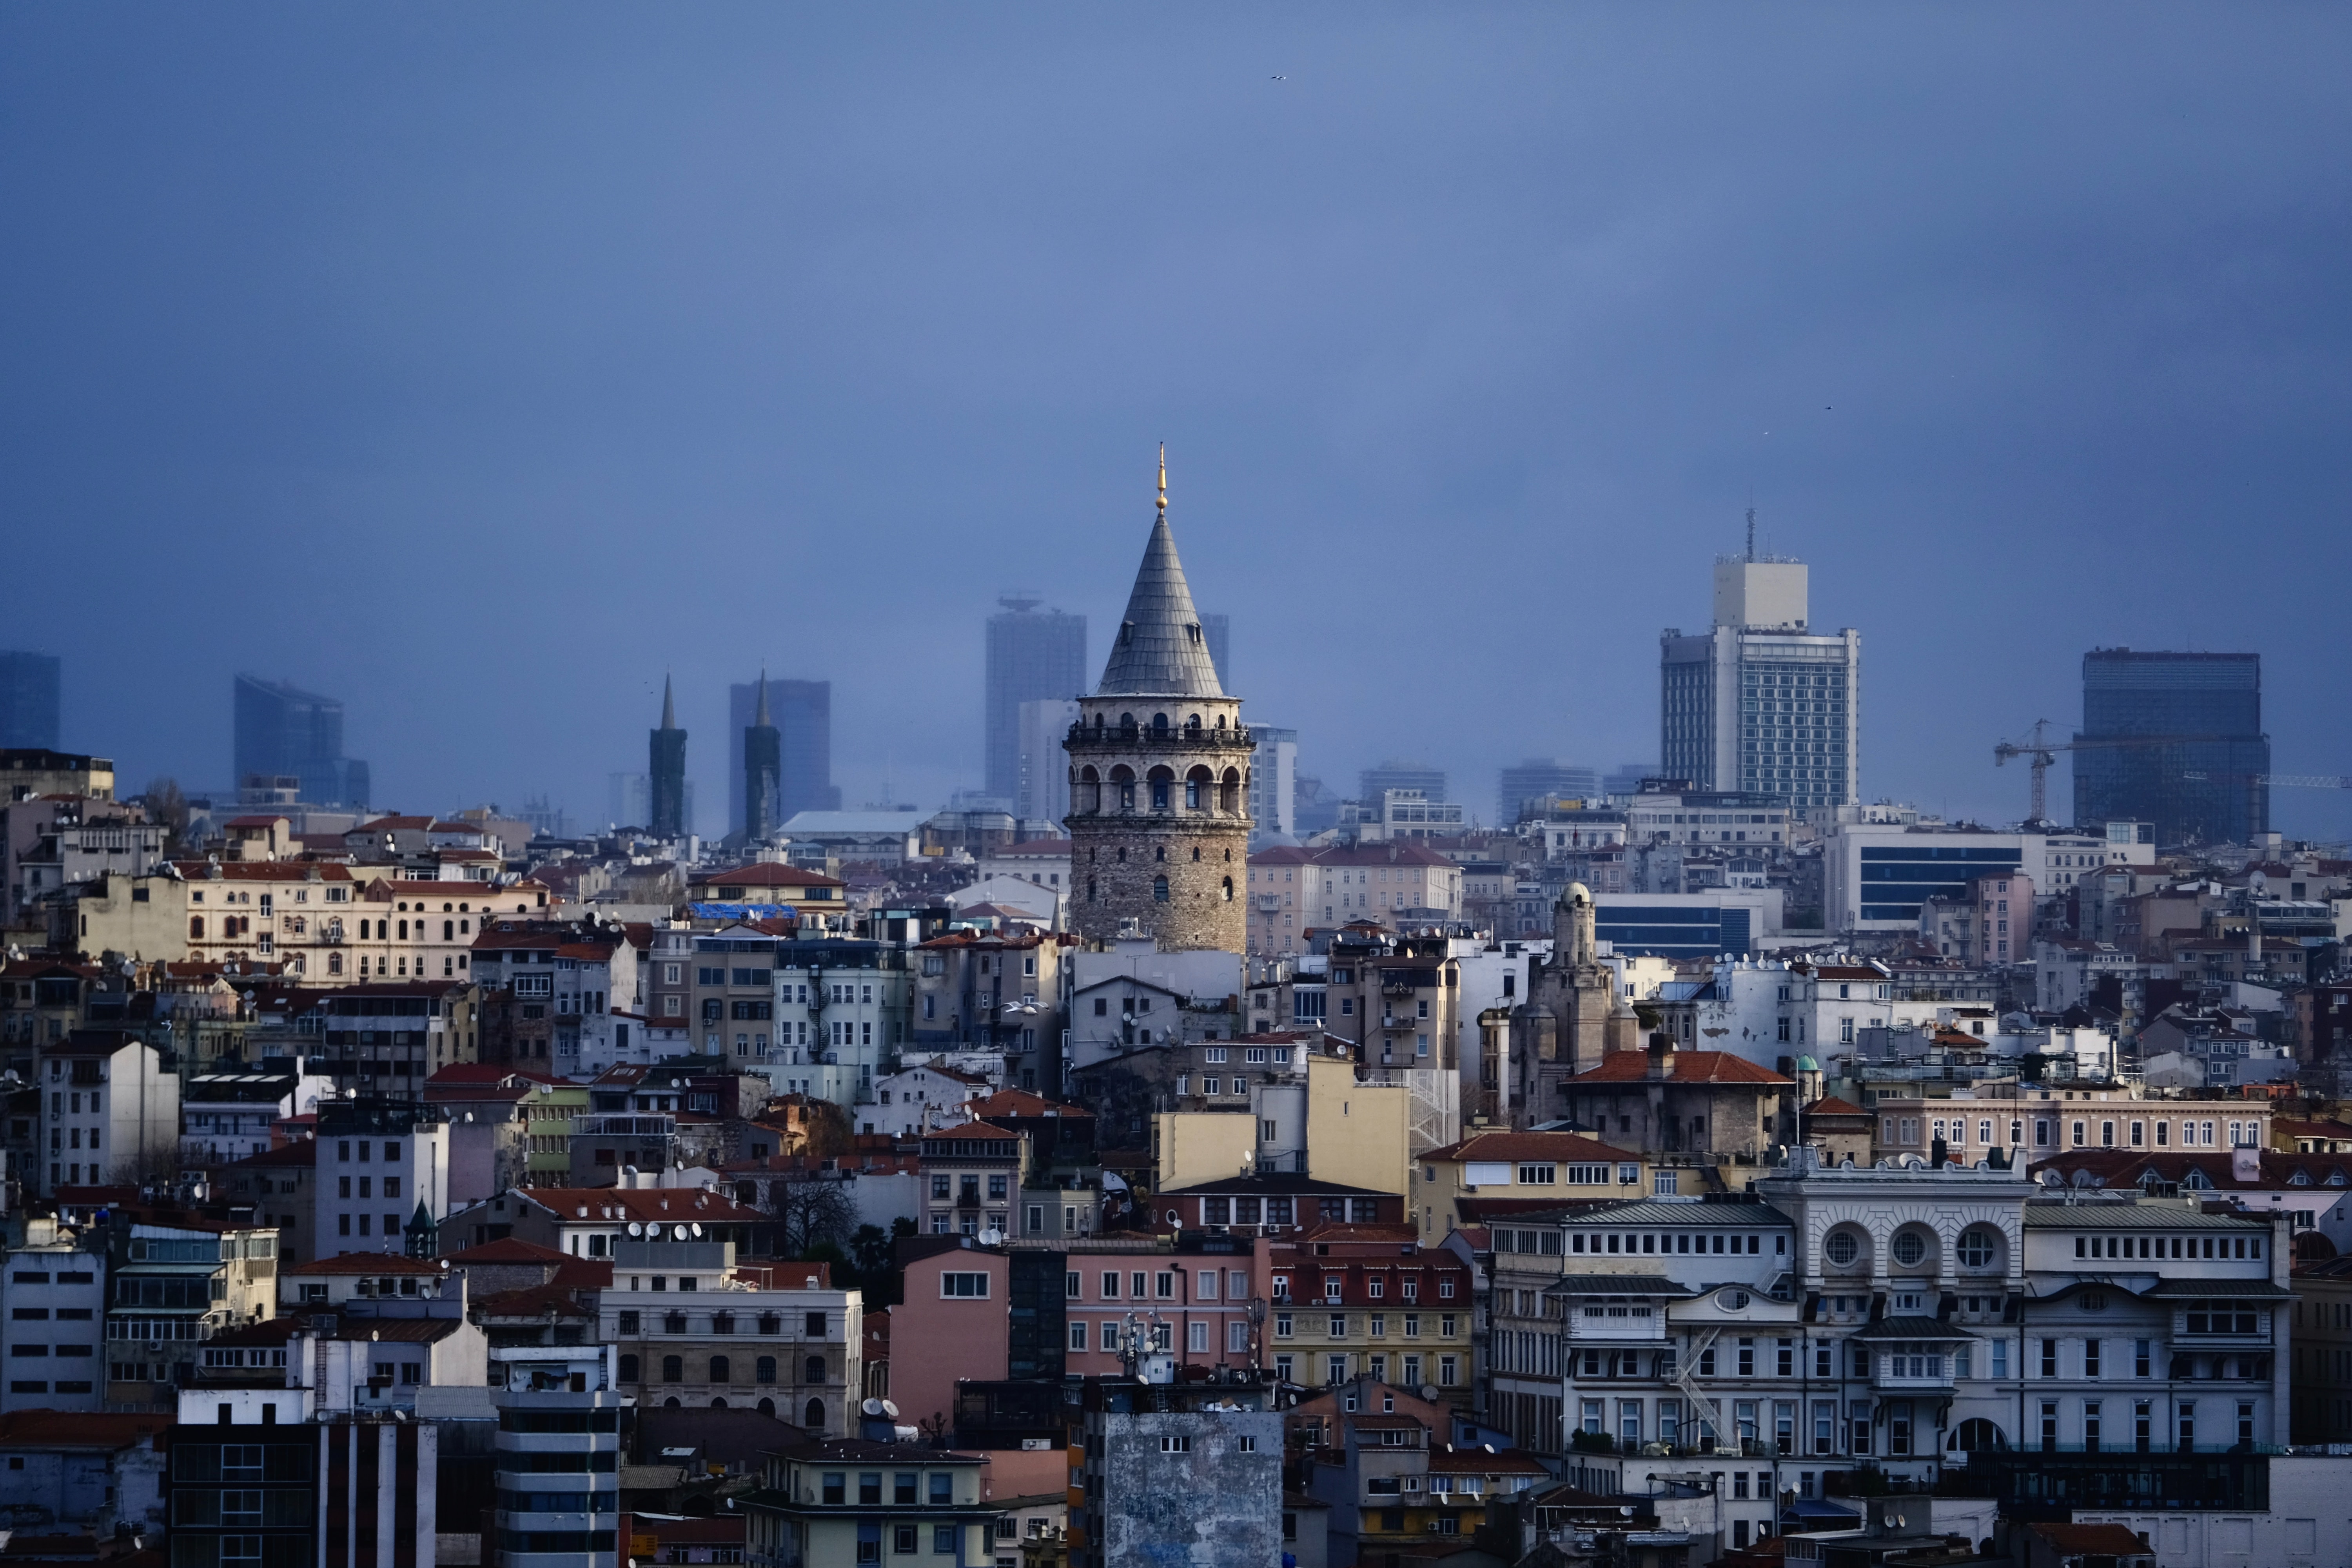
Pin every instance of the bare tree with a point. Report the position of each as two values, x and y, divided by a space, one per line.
167 806
807 1211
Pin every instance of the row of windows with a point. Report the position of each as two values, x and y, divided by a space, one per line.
1338 1325
720 1370
769 1323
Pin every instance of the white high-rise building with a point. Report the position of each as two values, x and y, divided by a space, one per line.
1041 786
1758 704
1274 784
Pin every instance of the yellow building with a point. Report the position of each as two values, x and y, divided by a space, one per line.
1358 1134
1491 1173
1360 1301
31 771
1193 1146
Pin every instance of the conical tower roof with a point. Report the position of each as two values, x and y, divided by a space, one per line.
760 720
1161 651
669 709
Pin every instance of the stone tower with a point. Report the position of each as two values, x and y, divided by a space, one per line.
1573 1014
1160 773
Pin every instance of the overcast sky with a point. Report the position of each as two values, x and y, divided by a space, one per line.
478 365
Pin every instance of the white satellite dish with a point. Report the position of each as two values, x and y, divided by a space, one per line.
872 1408
637 1230
697 1230
890 1409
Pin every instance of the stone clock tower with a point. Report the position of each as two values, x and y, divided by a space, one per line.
1160 775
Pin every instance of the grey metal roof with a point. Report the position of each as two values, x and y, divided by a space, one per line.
2109 1214
1646 1213
2247 1289
1617 1285
1160 649
1914 1329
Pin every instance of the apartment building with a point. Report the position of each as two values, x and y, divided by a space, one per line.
775 1338
110 1110
1348 1301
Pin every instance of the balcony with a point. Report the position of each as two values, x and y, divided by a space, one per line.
1925 1370
1599 1323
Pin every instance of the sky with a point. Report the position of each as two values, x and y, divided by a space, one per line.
480 366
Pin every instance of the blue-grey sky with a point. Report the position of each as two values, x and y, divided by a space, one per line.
478 365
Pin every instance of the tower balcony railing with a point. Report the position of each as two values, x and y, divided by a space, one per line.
1175 737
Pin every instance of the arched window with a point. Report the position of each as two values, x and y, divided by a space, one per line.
1196 788
673 1402
195 927
1089 790
765 1369
1229 889
1122 854
1163 788
1159 726
814 1370
767 1407
448 931
814 1417
1091 895
719 1404
629 1369
1196 854
1159 889
1159 852
1122 781
719 1370
1230 802
403 930
673 1369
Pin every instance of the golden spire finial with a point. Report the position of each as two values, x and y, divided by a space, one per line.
1163 479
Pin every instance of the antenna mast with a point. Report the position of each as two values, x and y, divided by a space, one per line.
1751 534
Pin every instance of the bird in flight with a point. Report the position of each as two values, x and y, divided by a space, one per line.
1281 79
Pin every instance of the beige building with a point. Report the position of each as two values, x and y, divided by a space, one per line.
32 771
1159 766
2041 1123
1489 1175
1293 892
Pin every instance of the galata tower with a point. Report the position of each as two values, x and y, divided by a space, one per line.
1159 774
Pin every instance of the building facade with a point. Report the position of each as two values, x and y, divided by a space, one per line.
283 732
1033 655
2209 783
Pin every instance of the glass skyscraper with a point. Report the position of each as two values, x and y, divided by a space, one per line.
2199 774
29 702
801 712
284 732
1033 655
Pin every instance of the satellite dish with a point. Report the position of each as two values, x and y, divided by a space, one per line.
872 1408
697 1231
1429 1391
635 1229
890 1409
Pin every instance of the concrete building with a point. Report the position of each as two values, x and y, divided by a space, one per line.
772 1338
1160 777
1372 784
173 1285
55 1296
1031 657
854 1499
1187 1472
557 1458
382 1176
1759 703
1273 786
29 705
29 771
1876 877
1042 783
110 1110
1542 779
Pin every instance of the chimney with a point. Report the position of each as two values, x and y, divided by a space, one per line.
1662 1057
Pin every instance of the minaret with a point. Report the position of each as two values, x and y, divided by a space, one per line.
1159 774
763 771
666 768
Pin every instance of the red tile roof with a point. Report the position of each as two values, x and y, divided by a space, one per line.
1830 1105
508 1249
1021 1102
262 870
1689 1066
1508 1146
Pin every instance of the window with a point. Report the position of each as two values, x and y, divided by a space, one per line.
965 1287
1538 1175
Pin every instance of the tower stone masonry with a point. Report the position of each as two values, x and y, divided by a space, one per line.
1159 774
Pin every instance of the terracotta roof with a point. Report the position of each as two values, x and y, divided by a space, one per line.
972 1130
1021 1102
1689 1066
368 1263
508 1249
474 1073
1830 1105
72 1429
533 1301
201 871
1512 1146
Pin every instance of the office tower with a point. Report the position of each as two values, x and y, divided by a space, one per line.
628 799
1042 788
1372 782
1217 631
666 793
1543 777
1626 778
1030 654
283 732
803 713
1758 704
2207 786
762 770
29 702
1274 784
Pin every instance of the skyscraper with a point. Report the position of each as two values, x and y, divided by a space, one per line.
1274 784
28 700
1030 654
283 732
1758 704
762 770
2207 786
666 805
803 714
1394 775
1043 792
1543 776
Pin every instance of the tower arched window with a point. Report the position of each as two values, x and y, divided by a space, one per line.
1159 852
1229 889
1159 726
1196 854
1122 780
1163 788
1089 790
1091 895
1192 725
1197 787
1230 802
1159 889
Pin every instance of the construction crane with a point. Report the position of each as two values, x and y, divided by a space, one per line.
2041 752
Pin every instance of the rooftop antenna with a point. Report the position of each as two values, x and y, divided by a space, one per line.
1751 528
